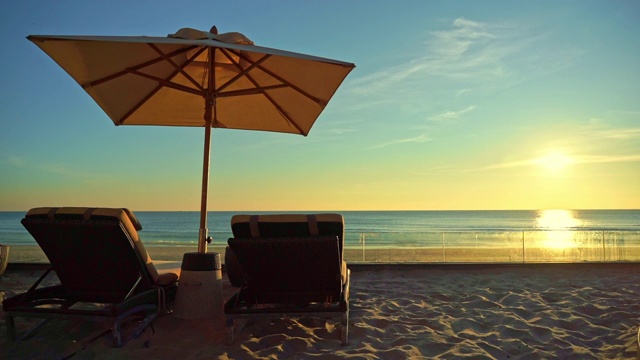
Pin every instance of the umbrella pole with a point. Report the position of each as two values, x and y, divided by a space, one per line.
209 115
202 236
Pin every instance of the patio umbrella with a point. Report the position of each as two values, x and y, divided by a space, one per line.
199 79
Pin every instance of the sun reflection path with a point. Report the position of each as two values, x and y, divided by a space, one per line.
557 220
558 226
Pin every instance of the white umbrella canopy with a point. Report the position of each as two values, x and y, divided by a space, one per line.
172 81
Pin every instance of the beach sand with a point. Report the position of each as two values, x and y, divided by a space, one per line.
397 312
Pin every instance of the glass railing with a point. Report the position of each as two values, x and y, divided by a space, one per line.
495 247
528 246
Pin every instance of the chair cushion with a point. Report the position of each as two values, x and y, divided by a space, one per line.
290 264
167 279
283 225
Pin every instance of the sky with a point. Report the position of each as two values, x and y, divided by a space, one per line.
453 105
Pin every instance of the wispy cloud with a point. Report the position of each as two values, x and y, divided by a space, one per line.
452 115
472 53
466 50
606 137
462 92
593 159
417 139
573 159
460 39
340 131
619 134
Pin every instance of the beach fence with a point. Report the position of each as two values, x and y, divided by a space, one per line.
530 246
537 246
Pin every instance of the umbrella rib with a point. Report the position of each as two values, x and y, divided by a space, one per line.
243 72
169 84
180 69
138 105
250 91
134 68
280 109
281 79
262 90
162 82
258 89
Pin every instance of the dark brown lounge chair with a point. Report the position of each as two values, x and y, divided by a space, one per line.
104 271
290 266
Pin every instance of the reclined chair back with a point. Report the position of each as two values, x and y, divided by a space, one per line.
299 269
281 225
96 253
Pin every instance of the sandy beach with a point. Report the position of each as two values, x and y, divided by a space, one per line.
397 312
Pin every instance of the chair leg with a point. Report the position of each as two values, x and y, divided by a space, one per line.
234 328
116 330
344 331
229 323
11 327
143 325
116 334
12 333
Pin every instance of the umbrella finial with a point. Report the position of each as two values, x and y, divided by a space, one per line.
214 30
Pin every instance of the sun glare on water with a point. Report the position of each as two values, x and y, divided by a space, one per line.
557 220
558 226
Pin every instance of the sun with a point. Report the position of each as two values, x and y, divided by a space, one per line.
554 161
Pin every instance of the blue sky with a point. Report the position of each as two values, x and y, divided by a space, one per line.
452 105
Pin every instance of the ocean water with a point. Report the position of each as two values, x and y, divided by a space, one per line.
383 228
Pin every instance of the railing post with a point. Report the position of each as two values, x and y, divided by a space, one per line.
523 248
444 257
604 249
362 241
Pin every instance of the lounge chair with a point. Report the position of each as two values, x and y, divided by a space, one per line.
281 225
104 271
291 266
